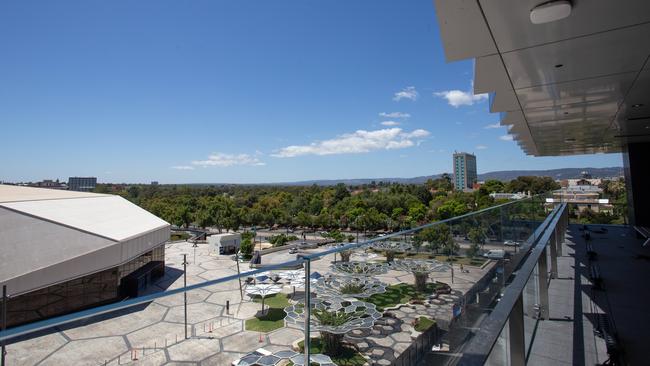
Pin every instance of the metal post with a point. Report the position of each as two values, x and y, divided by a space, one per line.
241 293
553 246
558 234
307 310
501 226
517 338
185 292
542 269
4 322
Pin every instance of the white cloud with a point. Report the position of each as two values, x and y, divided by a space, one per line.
390 123
457 98
360 141
394 115
481 147
506 137
227 160
493 125
183 167
407 93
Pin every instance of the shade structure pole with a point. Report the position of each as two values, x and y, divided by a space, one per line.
307 310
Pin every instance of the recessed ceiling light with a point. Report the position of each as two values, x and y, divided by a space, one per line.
557 66
637 105
550 11
570 139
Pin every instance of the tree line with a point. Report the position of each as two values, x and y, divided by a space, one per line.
369 207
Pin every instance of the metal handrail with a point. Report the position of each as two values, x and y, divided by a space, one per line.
83 314
480 346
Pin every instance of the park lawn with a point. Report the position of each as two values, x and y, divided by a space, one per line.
400 294
424 323
279 301
349 356
466 261
272 320
178 236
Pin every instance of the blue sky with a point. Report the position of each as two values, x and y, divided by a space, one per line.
239 91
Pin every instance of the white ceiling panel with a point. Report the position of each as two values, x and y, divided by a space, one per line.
602 54
511 26
463 30
490 75
605 89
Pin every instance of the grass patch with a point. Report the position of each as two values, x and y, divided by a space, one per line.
279 301
424 323
274 316
178 236
400 294
273 319
349 357
466 261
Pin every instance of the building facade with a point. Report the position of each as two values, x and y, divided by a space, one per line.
82 184
464 171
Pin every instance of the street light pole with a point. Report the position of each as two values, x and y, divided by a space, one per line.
307 311
185 292
4 322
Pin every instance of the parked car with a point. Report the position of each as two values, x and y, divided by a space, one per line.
495 254
511 243
293 250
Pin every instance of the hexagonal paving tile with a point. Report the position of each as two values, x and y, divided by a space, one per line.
31 351
158 333
243 342
196 313
111 325
193 296
87 351
194 349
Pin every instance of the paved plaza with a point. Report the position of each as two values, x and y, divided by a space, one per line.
153 333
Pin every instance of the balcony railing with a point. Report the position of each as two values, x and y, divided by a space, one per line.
403 297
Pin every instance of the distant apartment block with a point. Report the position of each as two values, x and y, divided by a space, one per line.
82 184
464 171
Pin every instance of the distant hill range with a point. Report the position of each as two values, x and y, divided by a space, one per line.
504 175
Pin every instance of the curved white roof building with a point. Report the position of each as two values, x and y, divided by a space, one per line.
52 236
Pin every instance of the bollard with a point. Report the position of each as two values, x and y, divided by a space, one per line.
261 338
143 351
227 306
134 355
118 359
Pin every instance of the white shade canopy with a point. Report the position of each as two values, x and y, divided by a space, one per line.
263 289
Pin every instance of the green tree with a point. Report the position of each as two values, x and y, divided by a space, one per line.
477 237
246 247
